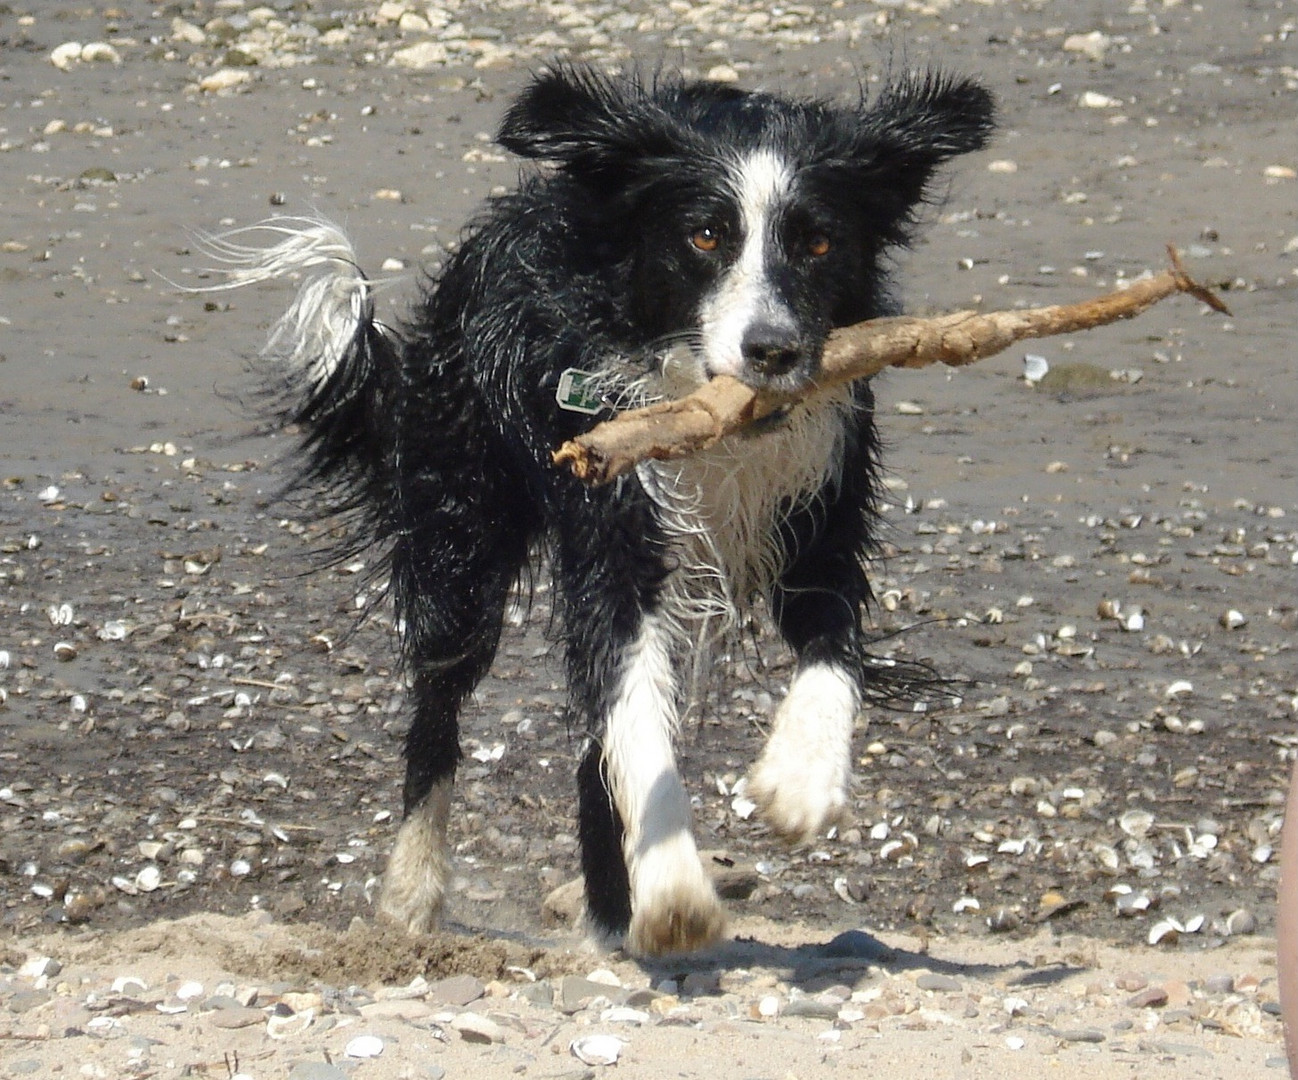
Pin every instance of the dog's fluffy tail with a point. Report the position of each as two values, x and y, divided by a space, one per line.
332 369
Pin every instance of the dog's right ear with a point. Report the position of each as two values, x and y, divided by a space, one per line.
585 121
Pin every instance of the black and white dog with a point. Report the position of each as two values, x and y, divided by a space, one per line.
679 230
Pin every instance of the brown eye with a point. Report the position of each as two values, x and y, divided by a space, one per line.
818 246
706 239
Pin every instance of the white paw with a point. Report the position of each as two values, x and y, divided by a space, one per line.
674 908
801 780
415 880
798 800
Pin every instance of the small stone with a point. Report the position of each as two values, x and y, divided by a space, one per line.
407 1009
239 1016
540 994
1222 983
564 905
316 1070
576 993
856 945
1080 1035
1241 921
1152 997
477 1029
458 990
811 1008
23 1000
38 966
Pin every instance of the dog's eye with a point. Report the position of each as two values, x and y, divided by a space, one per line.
706 239
818 246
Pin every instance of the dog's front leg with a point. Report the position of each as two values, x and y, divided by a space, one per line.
673 906
801 780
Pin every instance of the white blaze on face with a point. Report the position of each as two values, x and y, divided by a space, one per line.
744 295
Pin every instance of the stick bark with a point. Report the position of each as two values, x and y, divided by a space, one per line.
725 405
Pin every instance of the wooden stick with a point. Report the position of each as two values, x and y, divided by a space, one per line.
724 405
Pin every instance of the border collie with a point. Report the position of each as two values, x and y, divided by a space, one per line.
678 230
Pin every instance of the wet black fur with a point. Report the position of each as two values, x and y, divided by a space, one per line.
436 434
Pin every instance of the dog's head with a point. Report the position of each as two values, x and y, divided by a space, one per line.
745 225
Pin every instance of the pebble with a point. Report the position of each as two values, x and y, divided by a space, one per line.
477 1029
317 1070
237 1016
1152 997
456 990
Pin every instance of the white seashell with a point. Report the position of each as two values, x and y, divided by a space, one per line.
1015 1042
1106 856
1132 621
1232 619
285 1027
148 879
1035 368
364 1046
743 807
1165 931
224 79
892 850
240 868
101 52
1092 99
597 1049
965 903
1194 924
1179 688
1262 853
64 650
1136 823
65 55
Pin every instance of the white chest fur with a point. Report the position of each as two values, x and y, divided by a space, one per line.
722 509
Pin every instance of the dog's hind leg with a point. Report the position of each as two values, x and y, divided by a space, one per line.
451 590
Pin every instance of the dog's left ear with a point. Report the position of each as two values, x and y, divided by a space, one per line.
586 121
916 124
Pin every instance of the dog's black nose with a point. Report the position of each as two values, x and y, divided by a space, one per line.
770 350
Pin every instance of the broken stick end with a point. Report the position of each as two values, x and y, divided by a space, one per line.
1187 284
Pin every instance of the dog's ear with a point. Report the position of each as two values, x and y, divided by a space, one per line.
916 124
585 121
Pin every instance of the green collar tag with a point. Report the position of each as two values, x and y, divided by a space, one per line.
576 392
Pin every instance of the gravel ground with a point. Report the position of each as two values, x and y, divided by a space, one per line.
192 723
